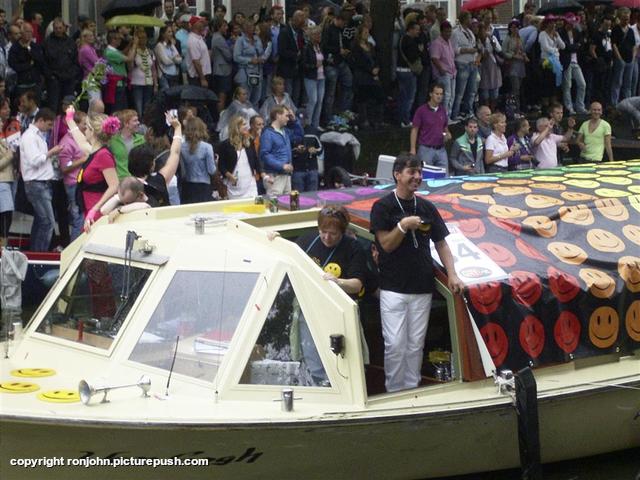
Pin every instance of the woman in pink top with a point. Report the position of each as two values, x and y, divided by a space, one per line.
87 55
98 180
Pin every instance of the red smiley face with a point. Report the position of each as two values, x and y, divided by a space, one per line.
564 286
462 209
529 251
472 228
440 198
498 254
532 336
445 214
505 224
566 331
496 341
486 297
526 287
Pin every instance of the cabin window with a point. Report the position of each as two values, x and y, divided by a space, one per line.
94 303
285 353
200 312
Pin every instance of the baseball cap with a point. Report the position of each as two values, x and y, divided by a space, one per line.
195 19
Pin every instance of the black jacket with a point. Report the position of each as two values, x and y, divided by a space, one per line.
228 158
28 63
61 55
309 62
330 44
362 63
577 47
289 56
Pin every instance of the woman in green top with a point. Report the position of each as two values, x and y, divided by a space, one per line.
594 136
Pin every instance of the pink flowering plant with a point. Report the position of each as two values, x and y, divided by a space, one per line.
95 80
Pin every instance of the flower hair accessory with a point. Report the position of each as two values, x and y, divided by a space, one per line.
111 125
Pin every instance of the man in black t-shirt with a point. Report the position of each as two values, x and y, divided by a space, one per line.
403 225
623 43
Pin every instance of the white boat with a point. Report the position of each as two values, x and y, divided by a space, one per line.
240 355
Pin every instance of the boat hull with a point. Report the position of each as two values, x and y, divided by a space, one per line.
410 446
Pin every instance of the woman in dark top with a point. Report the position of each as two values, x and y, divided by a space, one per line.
142 163
370 96
238 161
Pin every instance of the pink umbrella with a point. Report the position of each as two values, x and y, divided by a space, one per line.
473 5
627 3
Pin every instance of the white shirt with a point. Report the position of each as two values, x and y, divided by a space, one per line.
498 145
197 50
34 163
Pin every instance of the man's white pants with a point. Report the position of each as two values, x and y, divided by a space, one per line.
281 185
405 318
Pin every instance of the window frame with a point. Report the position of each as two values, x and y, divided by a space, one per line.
62 283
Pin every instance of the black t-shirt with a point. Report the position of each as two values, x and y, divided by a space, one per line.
345 260
624 41
599 39
156 191
407 269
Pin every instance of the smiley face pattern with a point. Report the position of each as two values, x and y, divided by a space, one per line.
569 239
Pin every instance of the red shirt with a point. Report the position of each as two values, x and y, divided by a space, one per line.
93 174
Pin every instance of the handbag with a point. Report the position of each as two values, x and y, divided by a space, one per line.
415 66
253 79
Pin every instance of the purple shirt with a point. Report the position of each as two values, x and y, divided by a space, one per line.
70 152
443 50
87 58
431 125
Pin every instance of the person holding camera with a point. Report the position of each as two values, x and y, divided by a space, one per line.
404 224
545 142
523 159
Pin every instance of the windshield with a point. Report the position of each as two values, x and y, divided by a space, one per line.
94 303
198 313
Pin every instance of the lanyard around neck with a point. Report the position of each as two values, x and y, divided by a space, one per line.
415 208
315 240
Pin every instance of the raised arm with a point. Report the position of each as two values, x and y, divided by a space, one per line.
171 166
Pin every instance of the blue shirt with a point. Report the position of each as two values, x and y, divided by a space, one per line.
199 165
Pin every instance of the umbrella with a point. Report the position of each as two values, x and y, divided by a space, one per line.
134 21
600 2
627 3
473 5
558 7
129 7
189 93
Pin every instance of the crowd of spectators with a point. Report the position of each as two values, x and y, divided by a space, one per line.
275 80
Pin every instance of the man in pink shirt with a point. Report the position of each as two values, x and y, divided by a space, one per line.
198 59
70 159
443 64
545 142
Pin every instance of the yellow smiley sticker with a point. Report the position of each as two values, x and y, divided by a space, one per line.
632 232
542 201
60 396
635 176
611 193
514 190
603 327
612 209
600 284
623 181
502 211
33 372
486 199
18 387
604 241
556 187
577 196
477 185
334 269
591 184
634 188
547 178
567 252
514 181
582 176
614 173
634 201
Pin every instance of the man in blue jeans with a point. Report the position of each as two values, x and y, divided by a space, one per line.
37 172
464 48
336 69
430 130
